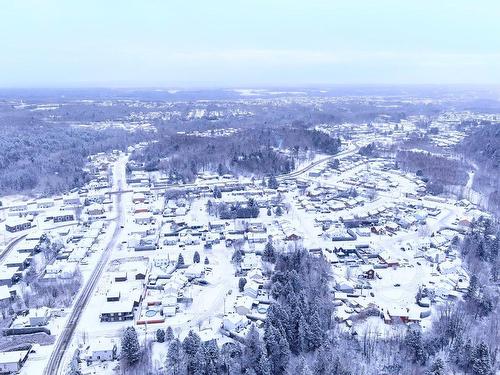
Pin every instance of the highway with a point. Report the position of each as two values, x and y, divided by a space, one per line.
10 246
351 150
56 359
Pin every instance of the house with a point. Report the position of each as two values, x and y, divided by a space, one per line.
172 288
95 210
217 226
169 301
256 237
63 217
396 314
138 198
169 311
234 322
251 289
5 295
143 218
118 311
103 349
194 271
45 203
255 274
18 207
291 235
113 295
368 272
121 276
39 317
250 261
447 268
344 286
12 362
72 200
17 224
386 258
9 275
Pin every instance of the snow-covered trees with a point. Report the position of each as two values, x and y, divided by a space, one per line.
192 348
272 183
269 253
175 358
241 284
131 350
480 360
169 334
196 257
414 345
180 260
160 335
217 192
237 257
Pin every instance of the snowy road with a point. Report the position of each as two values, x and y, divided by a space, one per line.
56 360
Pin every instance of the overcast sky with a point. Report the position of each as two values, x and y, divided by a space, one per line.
162 43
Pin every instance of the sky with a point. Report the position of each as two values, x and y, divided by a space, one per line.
248 43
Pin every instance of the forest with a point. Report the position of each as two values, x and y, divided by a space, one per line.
436 170
255 151
42 158
482 148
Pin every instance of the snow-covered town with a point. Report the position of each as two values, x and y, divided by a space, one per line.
136 248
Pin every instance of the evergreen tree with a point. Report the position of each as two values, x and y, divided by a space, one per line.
237 258
180 260
413 341
302 368
316 334
160 335
437 368
269 253
279 211
277 349
252 349
169 334
174 357
263 367
131 349
481 363
217 193
230 358
272 183
220 169
323 361
207 261
192 347
269 212
196 257
212 357
197 366
241 284
303 335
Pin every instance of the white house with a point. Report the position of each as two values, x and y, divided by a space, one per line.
194 271
11 362
243 305
234 322
103 349
39 317
251 289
